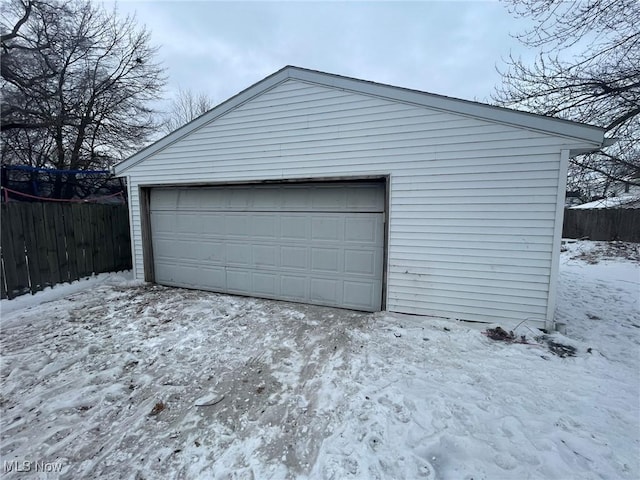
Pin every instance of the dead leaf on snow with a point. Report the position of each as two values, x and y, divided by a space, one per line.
157 408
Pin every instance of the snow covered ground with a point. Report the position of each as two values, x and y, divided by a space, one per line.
626 200
119 379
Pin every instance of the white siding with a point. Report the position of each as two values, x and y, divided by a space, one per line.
472 202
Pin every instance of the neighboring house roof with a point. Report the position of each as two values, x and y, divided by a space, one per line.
588 137
623 201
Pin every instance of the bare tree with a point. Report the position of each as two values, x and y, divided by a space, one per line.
24 8
186 106
588 70
77 84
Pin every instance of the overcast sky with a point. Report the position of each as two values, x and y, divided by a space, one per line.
220 48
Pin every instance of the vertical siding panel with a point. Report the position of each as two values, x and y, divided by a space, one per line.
134 226
557 238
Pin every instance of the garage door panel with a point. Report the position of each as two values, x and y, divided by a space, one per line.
295 197
209 275
265 284
166 271
238 281
265 255
212 222
265 198
189 199
265 226
294 287
239 198
294 257
365 199
363 228
164 199
359 294
326 260
296 243
328 227
212 252
175 249
188 223
235 225
164 222
206 200
191 275
238 254
328 199
360 262
294 227
324 291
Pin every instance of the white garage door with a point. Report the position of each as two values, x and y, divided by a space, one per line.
311 243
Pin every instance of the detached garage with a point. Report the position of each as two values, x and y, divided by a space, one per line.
317 188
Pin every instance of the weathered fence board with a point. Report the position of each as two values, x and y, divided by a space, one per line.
121 242
13 242
50 235
88 227
41 247
79 239
61 249
603 224
48 243
70 244
30 239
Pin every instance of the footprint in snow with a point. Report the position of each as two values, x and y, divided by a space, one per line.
400 412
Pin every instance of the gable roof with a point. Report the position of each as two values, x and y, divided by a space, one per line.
587 136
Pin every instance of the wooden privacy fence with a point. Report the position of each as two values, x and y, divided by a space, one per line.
602 224
48 243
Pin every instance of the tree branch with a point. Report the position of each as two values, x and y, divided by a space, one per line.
14 31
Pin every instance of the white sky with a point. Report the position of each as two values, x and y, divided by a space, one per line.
220 48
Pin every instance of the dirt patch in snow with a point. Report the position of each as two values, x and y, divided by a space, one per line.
120 371
594 252
556 347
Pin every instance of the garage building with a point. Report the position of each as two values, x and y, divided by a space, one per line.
329 190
